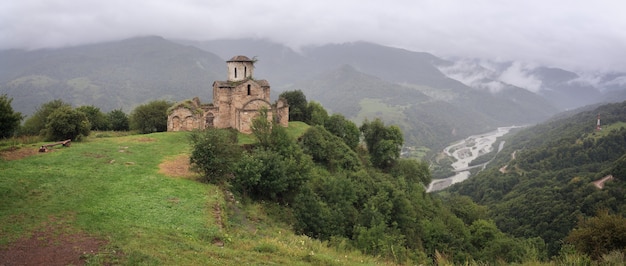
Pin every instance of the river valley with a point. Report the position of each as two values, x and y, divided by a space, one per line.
465 151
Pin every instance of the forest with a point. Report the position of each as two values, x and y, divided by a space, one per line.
547 189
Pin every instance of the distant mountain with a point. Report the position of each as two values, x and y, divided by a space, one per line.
277 63
361 80
109 75
393 65
342 89
426 121
564 89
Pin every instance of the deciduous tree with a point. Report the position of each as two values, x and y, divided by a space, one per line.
317 114
599 235
150 117
9 119
96 118
297 105
37 122
383 142
214 153
119 120
67 123
343 128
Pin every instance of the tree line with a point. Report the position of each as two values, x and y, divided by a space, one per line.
58 120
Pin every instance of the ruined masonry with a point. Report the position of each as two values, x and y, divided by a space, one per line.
236 102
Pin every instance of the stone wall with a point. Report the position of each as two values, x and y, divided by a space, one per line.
184 118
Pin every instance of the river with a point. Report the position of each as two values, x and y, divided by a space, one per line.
465 151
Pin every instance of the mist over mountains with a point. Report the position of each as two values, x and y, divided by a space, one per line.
434 100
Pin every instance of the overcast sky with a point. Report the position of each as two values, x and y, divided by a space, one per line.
572 34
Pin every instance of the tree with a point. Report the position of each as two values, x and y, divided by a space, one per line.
119 120
383 143
412 170
276 169
341 127
214 153
262 128
312 215
9 120
317 114
36 124
150 117
297 105
599 235
329 150
67 123
96 118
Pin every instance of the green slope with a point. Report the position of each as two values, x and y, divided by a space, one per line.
111 189
548 184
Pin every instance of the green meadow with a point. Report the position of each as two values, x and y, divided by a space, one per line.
111 188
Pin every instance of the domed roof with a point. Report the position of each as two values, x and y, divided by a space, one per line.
240 58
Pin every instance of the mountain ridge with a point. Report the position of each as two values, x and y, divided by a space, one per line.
123 74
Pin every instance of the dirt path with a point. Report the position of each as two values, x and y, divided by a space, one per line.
600 183
16 154
54 243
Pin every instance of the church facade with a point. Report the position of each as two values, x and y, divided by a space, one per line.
237 101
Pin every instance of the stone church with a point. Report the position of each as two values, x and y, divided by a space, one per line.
236 102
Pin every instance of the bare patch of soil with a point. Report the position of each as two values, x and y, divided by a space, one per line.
177 167
55 243
19 153
145 139
600 183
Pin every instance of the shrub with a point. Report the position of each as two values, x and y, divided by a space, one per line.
214 153
67 123
150 117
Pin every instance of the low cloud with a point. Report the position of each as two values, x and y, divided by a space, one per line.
473 74
560 33
518 75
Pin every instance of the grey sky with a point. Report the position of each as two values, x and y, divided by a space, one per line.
573 34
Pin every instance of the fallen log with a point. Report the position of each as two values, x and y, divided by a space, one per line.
65 143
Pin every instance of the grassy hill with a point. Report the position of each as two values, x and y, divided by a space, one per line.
125 195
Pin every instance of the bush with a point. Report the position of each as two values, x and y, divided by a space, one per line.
67 123
119 120
37 122
96 118
214 153
150 117
599 235
297 105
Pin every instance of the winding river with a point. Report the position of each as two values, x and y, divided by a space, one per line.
465 151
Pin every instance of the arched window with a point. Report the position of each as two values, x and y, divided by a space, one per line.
235 72
245 72
249 90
